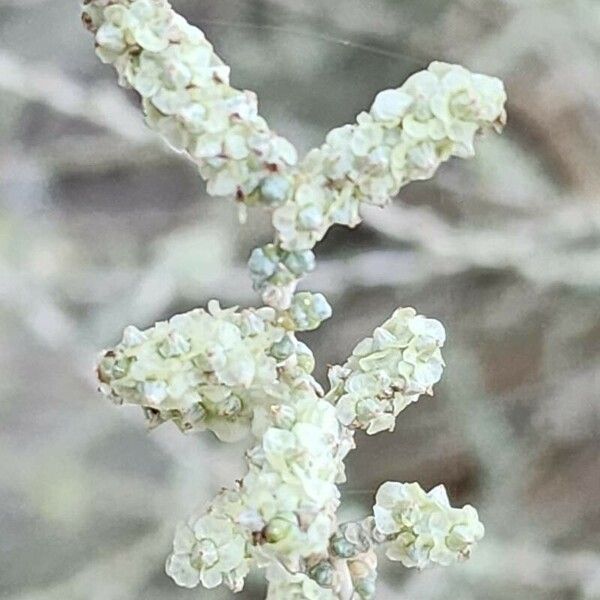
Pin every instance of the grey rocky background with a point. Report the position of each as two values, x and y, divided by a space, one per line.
100 227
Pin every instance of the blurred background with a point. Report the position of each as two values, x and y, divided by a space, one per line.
101 226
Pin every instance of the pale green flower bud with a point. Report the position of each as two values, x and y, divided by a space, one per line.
323 573
283 416
365 587
275 190
357 535
306 360
279 528
309 310
300 263
262 263
341 547
310 218
230 407
284 348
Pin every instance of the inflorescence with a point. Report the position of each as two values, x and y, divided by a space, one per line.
244 372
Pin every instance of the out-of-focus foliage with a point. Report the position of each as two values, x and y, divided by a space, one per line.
101 227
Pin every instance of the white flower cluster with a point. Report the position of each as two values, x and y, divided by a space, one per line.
211 551
186 95
405 136
289 495
388 371
284 509
239 371
187 99
205 370
422 528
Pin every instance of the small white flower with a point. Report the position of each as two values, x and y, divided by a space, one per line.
209 552
390 105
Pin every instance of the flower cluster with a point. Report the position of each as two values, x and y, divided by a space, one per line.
289 494
283 511
187 98
405 136
204 369
422 528
244 371
388 371
209 550
275 272
355 542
